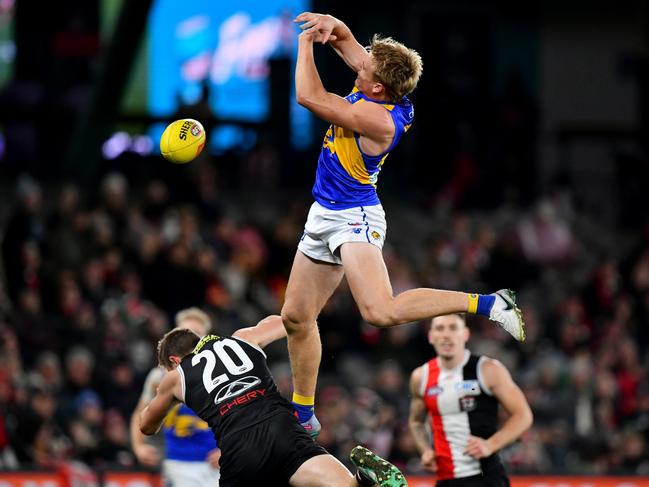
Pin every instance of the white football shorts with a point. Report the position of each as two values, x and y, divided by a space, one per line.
189 474
326 230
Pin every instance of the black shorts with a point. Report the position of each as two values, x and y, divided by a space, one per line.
496 477
267 453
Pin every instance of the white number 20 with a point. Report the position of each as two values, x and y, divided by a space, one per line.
220 351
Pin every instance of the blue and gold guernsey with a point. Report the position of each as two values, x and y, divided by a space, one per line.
346 177
187 437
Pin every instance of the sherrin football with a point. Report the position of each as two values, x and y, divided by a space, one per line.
182 141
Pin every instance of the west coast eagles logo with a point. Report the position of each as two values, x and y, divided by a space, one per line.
376 235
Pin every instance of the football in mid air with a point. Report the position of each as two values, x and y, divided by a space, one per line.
182 141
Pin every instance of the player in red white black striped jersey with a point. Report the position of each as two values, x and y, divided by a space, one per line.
460 394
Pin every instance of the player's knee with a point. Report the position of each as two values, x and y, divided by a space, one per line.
379 316
294 319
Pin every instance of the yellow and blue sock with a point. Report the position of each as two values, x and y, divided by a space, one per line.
304 407
481 304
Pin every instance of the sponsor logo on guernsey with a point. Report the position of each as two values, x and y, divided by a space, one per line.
354 224
468 388
434 391
376 235
467 404
235 388
356 230
247 397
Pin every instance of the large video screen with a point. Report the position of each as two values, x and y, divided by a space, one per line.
7 45
216 54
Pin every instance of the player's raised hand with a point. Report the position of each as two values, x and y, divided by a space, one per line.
314 35
308 36
321 25
428 461
478 447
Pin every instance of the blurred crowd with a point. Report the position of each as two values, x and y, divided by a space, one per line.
92 281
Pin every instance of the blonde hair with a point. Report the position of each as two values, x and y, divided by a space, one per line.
397 67
194 314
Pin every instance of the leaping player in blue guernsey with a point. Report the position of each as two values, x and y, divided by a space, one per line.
346 228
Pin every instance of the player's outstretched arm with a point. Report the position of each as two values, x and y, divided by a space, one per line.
146 454
266 331
169 394
338 35
367 119
417 424
499 381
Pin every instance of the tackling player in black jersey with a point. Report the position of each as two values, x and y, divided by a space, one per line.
226 381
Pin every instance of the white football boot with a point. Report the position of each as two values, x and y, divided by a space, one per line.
505 312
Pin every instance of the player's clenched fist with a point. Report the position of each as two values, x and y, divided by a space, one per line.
478 447
428 461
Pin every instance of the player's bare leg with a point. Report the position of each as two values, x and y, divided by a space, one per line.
327 471
310 285
370 285
322 471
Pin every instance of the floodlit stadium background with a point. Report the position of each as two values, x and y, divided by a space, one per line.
527 167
